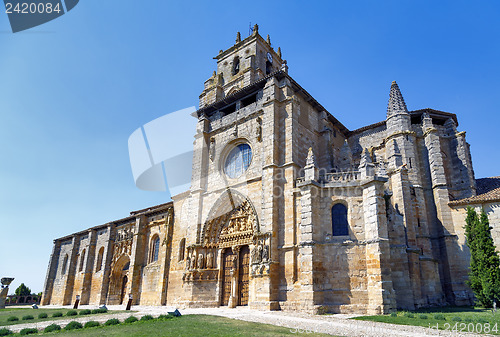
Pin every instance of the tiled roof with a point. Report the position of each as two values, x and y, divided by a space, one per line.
488 189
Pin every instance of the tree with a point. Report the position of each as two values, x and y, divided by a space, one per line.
484 274
22 290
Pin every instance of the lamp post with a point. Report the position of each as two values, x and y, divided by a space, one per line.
129 304
77 301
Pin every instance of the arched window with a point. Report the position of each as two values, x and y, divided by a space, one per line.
65 264
155 248
340 226
236 66
182 248
98 265
82 260
238 160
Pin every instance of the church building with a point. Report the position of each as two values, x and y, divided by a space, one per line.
288 209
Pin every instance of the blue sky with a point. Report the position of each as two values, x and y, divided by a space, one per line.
74 89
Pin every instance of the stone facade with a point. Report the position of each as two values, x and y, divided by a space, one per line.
288 209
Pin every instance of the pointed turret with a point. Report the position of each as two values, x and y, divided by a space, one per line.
311 169
345 158
398 117
238 37
366 166
397 103
311 159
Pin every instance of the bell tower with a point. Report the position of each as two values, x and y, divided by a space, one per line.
244 63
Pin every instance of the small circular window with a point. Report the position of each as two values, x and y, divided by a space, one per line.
238 160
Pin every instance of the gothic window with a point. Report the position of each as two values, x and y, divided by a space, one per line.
269 67
182 248
236 65
155 248
65 264
340 226
99 260
238 160
82 260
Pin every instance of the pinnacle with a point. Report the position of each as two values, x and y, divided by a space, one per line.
396 102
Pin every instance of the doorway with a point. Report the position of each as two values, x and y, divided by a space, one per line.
243 272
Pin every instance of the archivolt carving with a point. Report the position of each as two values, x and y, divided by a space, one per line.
231 219
234 228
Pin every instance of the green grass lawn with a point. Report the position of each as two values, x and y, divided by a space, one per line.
189 325
20 312
463 319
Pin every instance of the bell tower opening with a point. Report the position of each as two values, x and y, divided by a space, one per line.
244 63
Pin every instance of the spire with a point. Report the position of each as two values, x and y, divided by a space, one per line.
238 37
311 160
255 29
279 52
311 171
365 157
397 104
268 40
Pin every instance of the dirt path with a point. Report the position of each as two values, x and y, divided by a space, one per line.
302 324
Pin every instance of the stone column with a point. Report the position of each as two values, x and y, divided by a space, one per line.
381 297
199 178
51 273
137 260
454 269
88 268
4 291
106 269
72 268
310 298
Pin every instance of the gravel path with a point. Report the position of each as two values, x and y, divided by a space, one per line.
300 323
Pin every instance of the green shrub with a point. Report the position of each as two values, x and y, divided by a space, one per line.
52 327
12 319
27 317
91 324
28 331
57 314
393 314
439 317
131 319
73 325
147 318
482 320
85 312
99 311
468 320
43 315
71 313
422 316
5 332
112 321
409 315
456 319
165 316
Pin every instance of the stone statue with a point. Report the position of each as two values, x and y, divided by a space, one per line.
188 262
6 281
254 255
265 253
212 148
200 261
193 261
235 262
210 260
259 253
